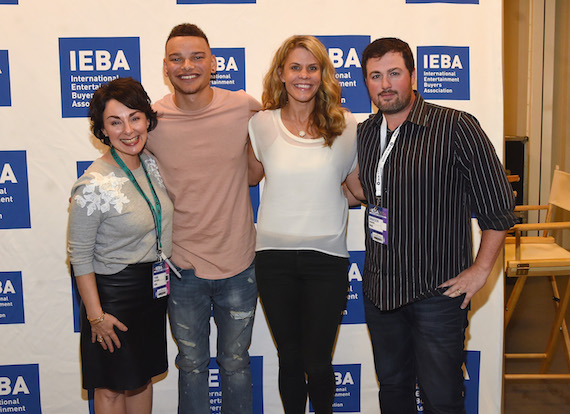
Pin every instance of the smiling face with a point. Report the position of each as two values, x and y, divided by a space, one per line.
188 64
301 75
126 129
390 83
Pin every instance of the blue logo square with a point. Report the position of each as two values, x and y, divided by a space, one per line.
20 385
254 197
76 298
11 298
256 364
76 303
8 1
354 312
348 385
230 68
14 193
82 166
472 375
345 53
472 371
87 63
5 97
443 72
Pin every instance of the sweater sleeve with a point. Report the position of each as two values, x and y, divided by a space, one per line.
82 229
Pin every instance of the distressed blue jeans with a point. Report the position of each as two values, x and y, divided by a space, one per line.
233 302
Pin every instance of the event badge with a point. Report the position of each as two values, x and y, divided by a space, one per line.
378 224
160 279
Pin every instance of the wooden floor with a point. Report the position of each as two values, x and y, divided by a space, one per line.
528 332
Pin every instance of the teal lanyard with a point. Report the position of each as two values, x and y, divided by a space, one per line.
156 210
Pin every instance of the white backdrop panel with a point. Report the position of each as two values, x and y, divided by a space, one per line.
29 36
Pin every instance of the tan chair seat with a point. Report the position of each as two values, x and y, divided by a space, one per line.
537 260
541 256
534 251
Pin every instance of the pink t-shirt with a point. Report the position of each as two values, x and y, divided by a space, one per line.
202 157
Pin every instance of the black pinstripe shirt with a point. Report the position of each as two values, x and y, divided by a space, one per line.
442 171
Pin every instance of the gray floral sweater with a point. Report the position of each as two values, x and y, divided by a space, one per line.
110 223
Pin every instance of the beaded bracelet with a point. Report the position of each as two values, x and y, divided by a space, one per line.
97 320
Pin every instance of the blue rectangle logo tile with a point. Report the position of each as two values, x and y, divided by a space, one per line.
471 375
348 389
5 97
14 193
345 53
87 63
81 166
230 68
354 312
11 298
443 72
254 197
256 364
20 388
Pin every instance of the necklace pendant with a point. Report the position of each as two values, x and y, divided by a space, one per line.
302 133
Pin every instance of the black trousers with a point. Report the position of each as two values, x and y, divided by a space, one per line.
303 294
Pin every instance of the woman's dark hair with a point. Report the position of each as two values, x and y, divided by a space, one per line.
127 91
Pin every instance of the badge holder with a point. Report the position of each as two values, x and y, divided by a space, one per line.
378 224
160 279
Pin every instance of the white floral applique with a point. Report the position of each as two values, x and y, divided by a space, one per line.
102 192
152 168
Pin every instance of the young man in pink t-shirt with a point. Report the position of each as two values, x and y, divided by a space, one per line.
201 144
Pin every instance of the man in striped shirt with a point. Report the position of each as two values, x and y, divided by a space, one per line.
425 171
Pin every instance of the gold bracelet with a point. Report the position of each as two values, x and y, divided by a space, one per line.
98 320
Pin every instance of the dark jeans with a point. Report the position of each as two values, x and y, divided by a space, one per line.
422 341
303 294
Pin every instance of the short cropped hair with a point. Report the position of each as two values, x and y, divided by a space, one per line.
187 29
380 47
127 91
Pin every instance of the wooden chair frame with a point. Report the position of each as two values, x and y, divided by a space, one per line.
551 267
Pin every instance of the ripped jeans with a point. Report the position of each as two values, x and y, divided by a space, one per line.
233 302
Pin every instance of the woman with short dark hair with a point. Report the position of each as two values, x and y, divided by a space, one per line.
119 239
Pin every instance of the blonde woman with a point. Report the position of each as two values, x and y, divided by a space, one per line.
304 143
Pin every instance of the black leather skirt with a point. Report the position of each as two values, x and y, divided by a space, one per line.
127 295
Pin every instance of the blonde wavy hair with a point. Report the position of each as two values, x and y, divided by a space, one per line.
328 115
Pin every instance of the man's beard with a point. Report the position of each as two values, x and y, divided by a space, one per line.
395 105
